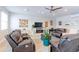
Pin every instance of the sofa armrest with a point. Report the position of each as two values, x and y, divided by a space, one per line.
25 48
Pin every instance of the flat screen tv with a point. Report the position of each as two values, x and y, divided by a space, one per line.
38 24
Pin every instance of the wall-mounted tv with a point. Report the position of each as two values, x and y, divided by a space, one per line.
38 24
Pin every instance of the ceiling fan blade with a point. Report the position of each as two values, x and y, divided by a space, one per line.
52 7
56 8
47 8
50 11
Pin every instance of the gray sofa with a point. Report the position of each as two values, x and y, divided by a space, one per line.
19 44
71 45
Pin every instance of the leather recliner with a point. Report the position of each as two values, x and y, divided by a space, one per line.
17 46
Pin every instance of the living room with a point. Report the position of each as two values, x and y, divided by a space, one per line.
35 21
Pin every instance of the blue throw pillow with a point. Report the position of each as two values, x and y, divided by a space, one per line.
62 41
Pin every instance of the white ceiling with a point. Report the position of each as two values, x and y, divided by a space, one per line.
42 12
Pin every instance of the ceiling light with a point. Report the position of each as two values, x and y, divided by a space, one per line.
42 12
25 9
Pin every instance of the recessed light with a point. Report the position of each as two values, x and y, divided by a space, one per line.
42 12
25 9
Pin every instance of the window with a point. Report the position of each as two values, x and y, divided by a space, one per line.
4 21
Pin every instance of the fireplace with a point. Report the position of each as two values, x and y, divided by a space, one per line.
39 30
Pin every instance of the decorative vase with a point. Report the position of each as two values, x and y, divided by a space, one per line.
46 42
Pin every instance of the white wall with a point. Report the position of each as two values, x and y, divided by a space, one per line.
14 20
72 20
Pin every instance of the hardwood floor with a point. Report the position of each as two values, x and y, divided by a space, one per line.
39 44
5 47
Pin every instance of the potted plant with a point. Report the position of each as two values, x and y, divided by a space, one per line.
46 39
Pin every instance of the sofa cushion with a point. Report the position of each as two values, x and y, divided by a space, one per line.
71 36
16 36
62 41
57 34
26 41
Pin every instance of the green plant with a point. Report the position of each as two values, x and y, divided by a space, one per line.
46 35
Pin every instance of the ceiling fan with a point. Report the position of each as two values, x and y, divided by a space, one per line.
53 9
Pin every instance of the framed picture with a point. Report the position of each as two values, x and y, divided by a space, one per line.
23 23
46 23
51 22
60 23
